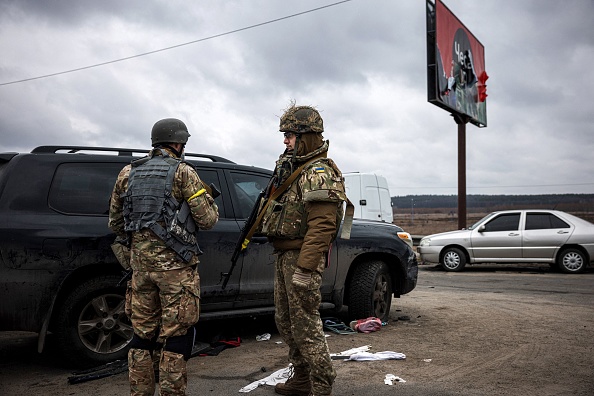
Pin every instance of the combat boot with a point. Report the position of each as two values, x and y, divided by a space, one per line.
298 385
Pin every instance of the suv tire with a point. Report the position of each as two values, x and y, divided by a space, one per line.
370 291
91 323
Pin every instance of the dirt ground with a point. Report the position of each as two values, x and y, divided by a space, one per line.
490 330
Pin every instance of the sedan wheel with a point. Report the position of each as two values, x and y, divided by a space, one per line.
571 261
453 260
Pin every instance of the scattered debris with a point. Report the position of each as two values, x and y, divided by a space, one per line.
120 366
106 370
263 337
367 325
385 355
217 345
427 360
347 354
278 377
335 325
390 378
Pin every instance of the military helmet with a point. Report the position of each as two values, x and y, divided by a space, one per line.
301 119
169 130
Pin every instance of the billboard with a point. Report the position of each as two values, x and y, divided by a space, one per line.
456 73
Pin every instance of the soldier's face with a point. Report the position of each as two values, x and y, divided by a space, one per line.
290 140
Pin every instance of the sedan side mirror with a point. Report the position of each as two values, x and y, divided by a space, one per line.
481 228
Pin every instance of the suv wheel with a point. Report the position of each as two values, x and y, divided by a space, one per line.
370 291
91 324
571 261
453 260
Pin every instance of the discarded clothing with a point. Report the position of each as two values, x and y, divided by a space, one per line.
263 337
367 325
278 377
390 378
346 354
336 326
385 355
219 344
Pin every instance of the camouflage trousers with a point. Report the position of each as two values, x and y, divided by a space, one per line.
161 305
298 321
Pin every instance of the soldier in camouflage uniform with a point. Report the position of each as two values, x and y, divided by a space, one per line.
302 223
164 294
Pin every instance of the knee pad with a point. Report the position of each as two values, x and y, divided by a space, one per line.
143 343
181 344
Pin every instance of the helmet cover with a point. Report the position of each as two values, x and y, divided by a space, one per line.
301 119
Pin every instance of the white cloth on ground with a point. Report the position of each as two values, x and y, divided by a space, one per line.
390 378
278 377
349 352
385 355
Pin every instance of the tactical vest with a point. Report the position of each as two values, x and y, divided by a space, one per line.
149 203
286 218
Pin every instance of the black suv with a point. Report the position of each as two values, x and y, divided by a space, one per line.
59 275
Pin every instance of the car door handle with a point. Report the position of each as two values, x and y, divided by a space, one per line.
259 240
513 234
562 232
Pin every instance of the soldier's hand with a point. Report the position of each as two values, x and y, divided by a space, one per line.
301 278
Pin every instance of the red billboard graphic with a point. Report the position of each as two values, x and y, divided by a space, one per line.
456 75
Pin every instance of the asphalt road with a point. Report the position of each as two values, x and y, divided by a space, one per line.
490 330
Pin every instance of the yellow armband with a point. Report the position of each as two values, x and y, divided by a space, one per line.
199 193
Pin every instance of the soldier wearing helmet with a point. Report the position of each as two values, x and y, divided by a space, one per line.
302 222
162 299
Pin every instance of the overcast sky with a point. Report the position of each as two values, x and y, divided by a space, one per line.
362 63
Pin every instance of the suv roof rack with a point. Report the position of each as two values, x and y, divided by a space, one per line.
121 151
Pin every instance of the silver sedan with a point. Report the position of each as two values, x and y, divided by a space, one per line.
515 236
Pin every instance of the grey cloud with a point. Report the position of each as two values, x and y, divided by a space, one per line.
363 63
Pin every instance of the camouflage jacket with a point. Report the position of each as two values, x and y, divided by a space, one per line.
308 214
148 251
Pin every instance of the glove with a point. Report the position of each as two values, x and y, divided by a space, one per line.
301 278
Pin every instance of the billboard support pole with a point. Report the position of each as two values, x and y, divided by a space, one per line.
461 120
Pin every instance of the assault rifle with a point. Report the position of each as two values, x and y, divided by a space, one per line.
266 196
244 238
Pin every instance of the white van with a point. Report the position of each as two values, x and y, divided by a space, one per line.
370 195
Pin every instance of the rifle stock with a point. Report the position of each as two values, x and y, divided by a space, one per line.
244 239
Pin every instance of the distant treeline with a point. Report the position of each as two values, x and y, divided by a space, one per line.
565 202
